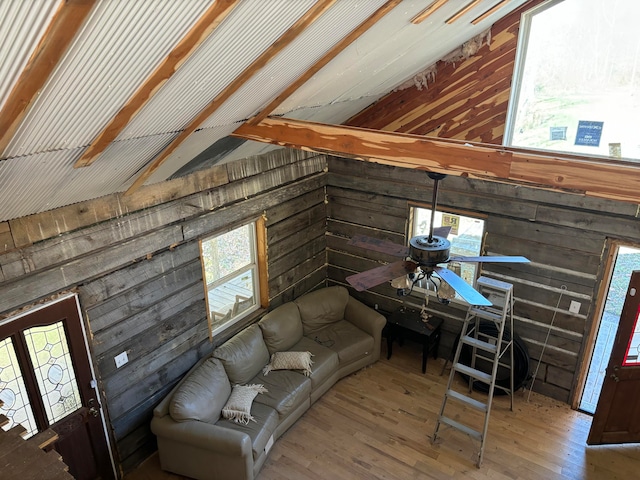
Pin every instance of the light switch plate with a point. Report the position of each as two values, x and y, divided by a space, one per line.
121 359
574 307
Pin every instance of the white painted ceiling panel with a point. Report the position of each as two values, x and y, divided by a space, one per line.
391 52
249 149
21 28
334 113
118 47
342 18
195 144
116 170
46 174
53 182
248 30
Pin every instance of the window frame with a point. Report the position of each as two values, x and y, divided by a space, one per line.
457 300
522 51
258 266
522 47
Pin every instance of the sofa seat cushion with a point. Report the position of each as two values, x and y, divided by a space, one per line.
259 430
347 340
202 394
281 328
244 355
286 390
325 360
322 307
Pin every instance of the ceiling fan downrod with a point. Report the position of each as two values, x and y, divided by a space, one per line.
436 177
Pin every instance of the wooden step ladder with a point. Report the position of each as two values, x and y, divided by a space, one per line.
483 347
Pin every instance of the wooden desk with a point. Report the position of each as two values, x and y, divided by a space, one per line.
405 322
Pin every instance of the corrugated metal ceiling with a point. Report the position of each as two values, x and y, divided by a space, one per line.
120 44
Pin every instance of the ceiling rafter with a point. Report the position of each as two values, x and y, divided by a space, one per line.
490 12
207 23
330 55
427 12
571 173
285 39
470 6
60 32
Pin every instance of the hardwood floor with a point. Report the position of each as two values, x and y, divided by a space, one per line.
378 422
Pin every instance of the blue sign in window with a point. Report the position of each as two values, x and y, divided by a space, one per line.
589 133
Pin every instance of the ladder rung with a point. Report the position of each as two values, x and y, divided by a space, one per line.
504 389
472 372
474 342
468 400
488 315
461 427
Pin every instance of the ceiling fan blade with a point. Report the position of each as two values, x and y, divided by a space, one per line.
370 278
381 246
491 259
442 231
462 288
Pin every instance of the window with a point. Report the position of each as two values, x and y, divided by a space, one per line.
466 237
232 267
576 86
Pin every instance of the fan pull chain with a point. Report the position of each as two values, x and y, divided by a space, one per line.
563 289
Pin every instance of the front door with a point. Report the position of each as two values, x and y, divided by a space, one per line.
46 381
617 417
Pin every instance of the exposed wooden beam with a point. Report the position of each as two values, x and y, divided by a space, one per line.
462 11
490 12
401 149
427 12
61 30
330 55
568 173
289 36
208 22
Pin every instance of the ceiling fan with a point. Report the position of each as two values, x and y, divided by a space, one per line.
422 258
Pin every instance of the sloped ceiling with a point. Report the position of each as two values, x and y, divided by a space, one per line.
103 96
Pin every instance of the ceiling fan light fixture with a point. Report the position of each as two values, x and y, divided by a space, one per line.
401 283
446 291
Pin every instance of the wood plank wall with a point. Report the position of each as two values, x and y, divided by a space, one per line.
563 235
135 265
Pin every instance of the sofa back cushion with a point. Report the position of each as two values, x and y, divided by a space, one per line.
322 307
281 328
243 355
202 394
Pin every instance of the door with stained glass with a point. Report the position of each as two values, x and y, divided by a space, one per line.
617 417
46 381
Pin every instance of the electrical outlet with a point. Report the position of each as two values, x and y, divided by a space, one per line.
574 307
121 359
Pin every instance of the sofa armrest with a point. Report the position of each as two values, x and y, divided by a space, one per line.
366 319
203 435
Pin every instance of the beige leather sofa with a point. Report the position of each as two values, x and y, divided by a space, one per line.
194 440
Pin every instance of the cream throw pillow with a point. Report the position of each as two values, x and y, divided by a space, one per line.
238 407
290 361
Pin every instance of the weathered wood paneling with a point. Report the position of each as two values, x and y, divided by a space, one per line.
135 264
6 240
563 234
552 231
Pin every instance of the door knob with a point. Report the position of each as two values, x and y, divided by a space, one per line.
94 411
